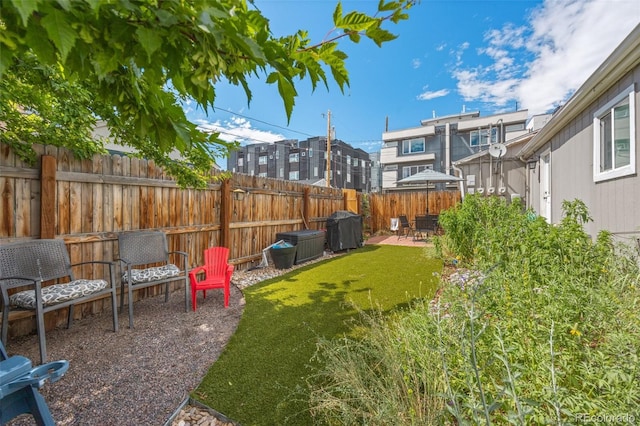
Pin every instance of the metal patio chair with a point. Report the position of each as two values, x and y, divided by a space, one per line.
29 264
406 226
144 249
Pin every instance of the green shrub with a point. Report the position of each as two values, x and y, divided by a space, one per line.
541 329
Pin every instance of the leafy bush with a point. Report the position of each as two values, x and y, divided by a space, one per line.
541 329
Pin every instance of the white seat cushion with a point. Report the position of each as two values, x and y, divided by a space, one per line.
58 293
152 274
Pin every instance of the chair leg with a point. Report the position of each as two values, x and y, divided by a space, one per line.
186 293
194 299
41 335
70 317
226 296
121 297
39 408
114 307
130 292
5 323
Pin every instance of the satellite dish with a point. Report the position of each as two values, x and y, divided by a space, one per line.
497 150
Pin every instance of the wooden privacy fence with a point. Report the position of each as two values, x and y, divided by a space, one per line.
88 202
383 207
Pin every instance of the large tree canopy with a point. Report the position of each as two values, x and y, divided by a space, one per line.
133 63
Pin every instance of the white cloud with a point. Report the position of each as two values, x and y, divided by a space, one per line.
541 65
238 129
416 63
428 95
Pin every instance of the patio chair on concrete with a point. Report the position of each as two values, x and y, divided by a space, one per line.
217 274
395 225
146 249
433 223
407 227
29 264
422 226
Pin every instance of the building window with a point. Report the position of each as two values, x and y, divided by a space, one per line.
262 160
281 171
479 137
293 157
310 152
348 177
514 127
262 174
412 170
240 161
614 144
315 171
413 146
277 155
294 175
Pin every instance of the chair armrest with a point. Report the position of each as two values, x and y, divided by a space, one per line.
122 261
185 258
29 281
196 270
102 262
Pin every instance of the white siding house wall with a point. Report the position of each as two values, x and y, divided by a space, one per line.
613 203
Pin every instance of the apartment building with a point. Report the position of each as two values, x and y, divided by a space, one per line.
306 161
440 141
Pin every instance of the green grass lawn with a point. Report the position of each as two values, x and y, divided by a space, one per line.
261 378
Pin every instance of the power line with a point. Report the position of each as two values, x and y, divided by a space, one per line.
288 129
264 122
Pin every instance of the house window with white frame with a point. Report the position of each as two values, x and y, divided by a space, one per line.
294 175
413 146
614 143
412 170
262 160
293 157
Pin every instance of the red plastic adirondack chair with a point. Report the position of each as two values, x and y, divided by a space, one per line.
217 274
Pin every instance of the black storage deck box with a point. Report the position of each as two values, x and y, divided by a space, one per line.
309 243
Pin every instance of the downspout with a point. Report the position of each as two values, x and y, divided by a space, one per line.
490 161
460 183
447 149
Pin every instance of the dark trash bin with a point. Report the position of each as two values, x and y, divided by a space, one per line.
344 231
309 243
283 255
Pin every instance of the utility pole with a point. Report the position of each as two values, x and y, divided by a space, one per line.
328 148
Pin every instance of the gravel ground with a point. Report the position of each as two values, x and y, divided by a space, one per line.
138 376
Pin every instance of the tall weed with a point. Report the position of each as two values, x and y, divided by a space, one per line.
542 328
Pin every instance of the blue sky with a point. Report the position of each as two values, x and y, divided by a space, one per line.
450 56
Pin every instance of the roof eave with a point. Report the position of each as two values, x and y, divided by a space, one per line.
621 61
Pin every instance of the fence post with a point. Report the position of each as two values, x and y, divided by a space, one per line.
225 213
48 207
306 206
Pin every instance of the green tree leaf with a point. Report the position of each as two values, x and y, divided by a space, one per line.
59 31
149 39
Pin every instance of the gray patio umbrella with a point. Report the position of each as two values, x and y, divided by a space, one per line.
427 176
